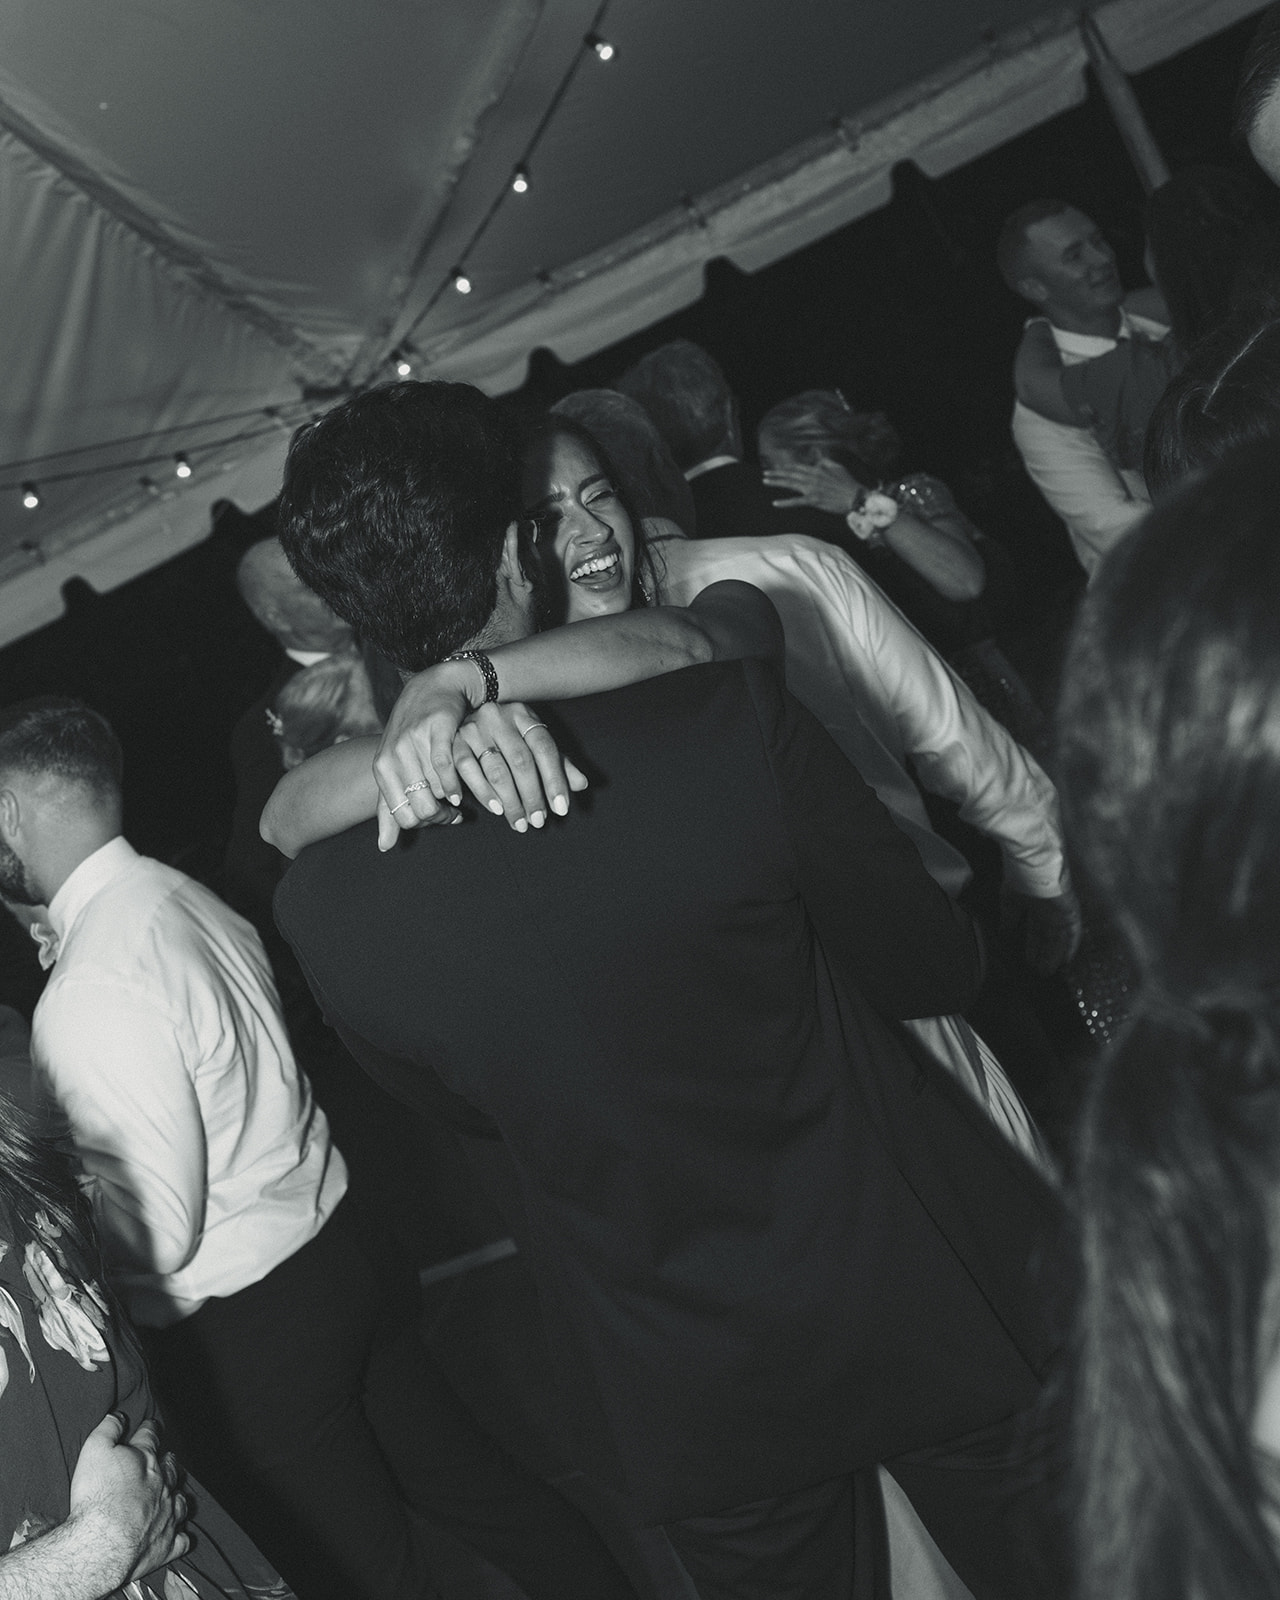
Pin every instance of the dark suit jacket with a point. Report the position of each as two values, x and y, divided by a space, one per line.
770 1245
731 501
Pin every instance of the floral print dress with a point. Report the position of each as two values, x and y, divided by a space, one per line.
63 1367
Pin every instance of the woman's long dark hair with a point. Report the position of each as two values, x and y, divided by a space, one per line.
1227 396
1170 772
40 1198
1214 234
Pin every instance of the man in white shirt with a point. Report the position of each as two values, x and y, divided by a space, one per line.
885 696
1057 258
290 1361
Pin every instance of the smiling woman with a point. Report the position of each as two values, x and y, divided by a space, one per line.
590 548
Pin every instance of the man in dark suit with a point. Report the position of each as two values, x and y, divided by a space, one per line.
772 1246
689 399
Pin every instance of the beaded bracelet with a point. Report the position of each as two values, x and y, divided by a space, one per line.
487 671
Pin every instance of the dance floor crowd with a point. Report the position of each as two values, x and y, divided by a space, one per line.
669 819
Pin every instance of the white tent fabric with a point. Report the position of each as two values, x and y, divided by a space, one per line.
221 212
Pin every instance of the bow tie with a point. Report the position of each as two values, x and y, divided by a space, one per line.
46 943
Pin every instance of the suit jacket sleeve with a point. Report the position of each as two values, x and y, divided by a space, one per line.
882 920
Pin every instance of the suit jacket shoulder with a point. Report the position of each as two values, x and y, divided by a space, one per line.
732 501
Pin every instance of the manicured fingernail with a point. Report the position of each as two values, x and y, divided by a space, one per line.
520 825
560 805
537 818
496 807
455 799
454 821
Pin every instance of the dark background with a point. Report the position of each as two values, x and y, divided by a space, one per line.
901 310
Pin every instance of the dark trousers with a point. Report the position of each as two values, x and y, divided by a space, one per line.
311 1408
991 1501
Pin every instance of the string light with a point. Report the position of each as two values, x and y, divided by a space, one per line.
30 496
402 364
602 47
460 281
150 485
181 465
520 180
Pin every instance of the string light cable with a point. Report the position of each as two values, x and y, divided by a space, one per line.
29 487
273 411
400 358
594 44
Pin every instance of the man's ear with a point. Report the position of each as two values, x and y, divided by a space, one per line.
1033 289
10 816
510 567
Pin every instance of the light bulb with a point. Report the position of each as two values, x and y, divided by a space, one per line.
181 465
401 363
150 485
30 496
461 282
602 47
520 180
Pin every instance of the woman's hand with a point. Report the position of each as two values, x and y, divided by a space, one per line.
824 485
434 744
509 760
126 1502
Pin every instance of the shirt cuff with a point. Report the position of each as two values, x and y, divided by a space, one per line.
1043 879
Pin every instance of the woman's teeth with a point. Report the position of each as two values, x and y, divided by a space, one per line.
589 569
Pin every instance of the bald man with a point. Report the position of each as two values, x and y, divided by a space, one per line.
307 631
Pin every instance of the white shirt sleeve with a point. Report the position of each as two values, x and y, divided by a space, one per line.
958 748
861 668
1073 472
116 1068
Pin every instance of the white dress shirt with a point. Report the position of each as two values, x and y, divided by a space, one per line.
884 694
1097 500
161 1040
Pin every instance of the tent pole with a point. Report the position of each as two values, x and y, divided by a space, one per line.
1138 139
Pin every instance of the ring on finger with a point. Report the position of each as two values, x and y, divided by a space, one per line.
412 788
489 750
400 807
525 732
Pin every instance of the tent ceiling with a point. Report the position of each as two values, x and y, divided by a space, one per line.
212 204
